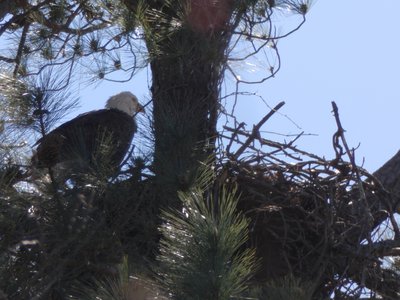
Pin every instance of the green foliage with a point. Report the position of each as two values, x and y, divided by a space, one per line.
288 288
56 238
110 288
28 103
201 249
121 286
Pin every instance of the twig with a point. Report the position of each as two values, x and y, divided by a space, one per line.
234 135
18 57
366 213
255 133
279 146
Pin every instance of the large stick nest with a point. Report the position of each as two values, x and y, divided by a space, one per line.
328 221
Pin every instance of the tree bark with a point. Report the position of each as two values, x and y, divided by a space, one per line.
187 64
185 102
389 176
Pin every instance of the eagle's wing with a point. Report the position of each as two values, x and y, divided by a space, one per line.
48 151
80 137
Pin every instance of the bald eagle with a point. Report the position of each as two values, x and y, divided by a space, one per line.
93 139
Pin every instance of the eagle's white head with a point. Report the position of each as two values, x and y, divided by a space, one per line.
126 102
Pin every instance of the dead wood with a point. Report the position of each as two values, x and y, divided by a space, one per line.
328 221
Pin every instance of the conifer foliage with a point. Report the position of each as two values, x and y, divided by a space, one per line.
265 221
201 252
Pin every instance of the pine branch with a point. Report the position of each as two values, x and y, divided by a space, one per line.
201 256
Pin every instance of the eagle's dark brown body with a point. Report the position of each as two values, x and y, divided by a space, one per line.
91 139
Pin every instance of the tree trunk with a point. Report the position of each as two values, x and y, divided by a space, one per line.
187 65
389 177
185 98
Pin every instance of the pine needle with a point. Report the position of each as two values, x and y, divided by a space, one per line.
201 255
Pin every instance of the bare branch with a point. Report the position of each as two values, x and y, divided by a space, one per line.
256 130
21 46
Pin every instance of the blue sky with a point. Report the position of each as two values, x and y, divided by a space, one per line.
347 51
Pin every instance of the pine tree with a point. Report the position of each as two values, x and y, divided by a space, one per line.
305 230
